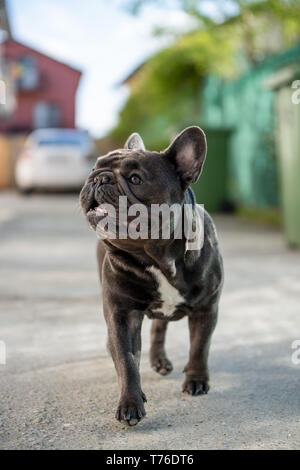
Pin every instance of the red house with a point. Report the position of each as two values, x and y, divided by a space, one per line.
45 90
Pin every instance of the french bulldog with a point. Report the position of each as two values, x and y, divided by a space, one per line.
161 278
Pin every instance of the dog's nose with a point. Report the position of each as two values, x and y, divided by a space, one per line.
106 191
105 179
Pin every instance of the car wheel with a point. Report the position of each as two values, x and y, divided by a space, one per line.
25 191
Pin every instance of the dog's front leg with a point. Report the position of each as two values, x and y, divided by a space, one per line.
201 325
124 343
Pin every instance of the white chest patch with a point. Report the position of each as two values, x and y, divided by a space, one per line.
169 295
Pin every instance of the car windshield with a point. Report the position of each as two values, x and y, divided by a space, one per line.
73 140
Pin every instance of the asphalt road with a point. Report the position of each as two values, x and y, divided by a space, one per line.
58 387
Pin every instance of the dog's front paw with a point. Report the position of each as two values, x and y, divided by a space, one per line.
195 385
160 363
131 409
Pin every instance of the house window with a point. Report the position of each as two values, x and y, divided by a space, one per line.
27 72
46 115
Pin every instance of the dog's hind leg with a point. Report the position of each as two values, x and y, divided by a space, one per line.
158 359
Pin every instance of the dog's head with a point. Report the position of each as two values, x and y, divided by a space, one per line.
143 177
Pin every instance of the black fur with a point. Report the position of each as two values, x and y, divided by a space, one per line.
129 288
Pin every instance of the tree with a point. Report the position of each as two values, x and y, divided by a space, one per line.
167 90
262 26
167 87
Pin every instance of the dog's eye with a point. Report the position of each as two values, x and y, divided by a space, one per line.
135 179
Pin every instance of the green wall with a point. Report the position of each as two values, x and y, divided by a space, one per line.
246 106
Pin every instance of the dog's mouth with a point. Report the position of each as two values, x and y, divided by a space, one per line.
97 210
113 219
106 220
95 213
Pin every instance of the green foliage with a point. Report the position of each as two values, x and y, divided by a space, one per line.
166 91
262 26
168 85
266 26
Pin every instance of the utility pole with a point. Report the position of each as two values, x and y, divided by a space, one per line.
4 20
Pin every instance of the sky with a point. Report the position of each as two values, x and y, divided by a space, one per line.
101 39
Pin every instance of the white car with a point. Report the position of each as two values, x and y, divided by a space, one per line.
55 159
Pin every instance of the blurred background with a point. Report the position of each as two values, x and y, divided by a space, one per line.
108 69
76 78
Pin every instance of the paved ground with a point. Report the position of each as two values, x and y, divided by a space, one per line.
59 390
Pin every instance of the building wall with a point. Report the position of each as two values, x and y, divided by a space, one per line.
246 106
57 85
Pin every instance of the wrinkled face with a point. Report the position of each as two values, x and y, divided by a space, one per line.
142 177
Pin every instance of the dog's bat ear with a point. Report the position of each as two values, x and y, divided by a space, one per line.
135 142
187 152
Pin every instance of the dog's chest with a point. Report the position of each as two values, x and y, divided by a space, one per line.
169 296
